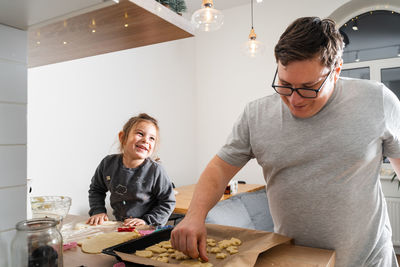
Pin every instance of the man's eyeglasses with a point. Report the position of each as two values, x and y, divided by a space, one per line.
303 92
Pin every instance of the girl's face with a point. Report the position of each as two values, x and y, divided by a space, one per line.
140 142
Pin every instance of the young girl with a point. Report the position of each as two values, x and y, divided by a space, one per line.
141 192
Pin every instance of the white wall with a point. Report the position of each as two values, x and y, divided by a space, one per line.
77 108
196 87
13 100
227 80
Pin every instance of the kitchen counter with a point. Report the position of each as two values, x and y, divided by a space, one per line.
185 194
282 255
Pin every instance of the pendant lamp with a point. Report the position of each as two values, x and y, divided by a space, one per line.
207 18
252 47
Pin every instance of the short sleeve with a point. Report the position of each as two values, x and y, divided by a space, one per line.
391 140
237 149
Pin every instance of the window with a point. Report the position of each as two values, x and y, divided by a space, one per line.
359 73
391 78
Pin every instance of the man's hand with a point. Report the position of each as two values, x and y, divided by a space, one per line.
189 237
134 222
97 219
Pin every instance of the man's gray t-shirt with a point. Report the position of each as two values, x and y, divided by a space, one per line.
322 172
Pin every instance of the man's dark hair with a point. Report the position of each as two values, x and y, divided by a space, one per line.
310 37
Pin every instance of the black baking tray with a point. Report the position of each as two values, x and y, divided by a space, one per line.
139 243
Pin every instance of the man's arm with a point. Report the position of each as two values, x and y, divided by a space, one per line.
396 165
189 236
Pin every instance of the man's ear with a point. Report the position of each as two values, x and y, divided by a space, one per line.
338 69
121 136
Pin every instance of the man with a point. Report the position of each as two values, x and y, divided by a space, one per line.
320 142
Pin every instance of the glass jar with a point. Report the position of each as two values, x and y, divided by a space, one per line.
37 243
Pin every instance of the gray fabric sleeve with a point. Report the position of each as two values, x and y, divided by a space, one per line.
97 192
237 150
391 107
164 199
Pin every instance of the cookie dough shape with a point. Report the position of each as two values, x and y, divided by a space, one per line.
224 243
156 249
232 249
215 250
162 259
96 244
179 256
236 241
220 255
144 253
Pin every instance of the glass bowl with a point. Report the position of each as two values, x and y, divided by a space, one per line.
55 207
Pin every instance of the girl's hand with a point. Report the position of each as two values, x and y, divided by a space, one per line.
134 222
97 219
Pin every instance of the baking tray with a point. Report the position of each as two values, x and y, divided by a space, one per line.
139 243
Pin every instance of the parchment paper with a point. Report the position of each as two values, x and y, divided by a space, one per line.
253 243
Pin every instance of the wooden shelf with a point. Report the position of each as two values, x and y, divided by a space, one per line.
125 25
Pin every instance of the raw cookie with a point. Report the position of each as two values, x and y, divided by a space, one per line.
215 250
156 249
144 253
224 243
232 249
162 259
96 244
179 256
220 255
165 244
236 241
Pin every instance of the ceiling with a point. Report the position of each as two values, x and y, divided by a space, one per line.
23 14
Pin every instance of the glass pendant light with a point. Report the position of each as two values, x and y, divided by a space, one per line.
207 18
252 47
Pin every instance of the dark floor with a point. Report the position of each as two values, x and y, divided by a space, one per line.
398 259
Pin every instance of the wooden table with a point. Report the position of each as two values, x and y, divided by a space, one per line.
185 194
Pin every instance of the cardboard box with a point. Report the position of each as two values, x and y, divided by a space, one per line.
290 255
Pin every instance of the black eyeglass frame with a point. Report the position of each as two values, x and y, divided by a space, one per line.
297 89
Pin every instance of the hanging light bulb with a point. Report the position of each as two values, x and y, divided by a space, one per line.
355 26
252 47
259 1
398 51
357 58
207 18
